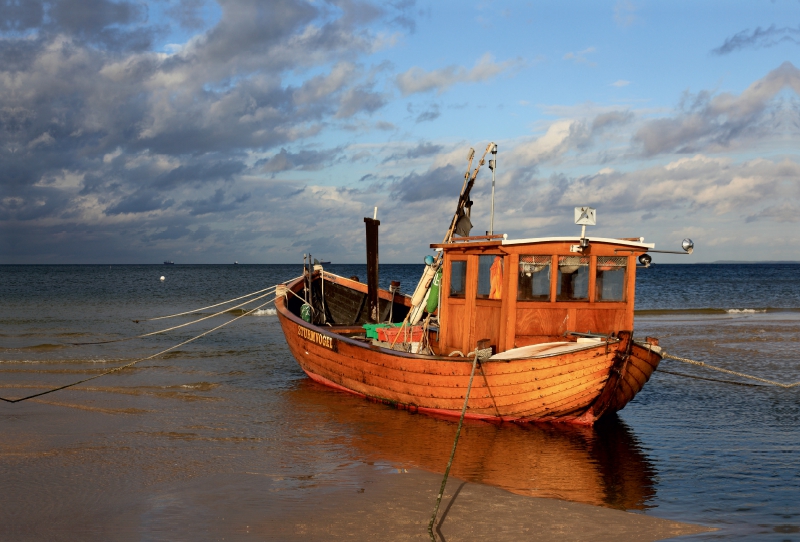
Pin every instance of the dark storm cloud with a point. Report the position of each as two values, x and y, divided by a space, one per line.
91 17
20 16
141 202
215 204
708 122
187 13
437 183
759 38
112 25
171 232
199 173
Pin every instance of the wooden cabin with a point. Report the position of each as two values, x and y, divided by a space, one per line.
546 288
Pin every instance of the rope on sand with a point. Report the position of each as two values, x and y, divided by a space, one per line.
728 371
134 362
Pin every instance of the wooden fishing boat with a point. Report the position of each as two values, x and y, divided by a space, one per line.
550 319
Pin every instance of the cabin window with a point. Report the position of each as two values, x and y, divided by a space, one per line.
534 278
573 278
458 278
610 278
490 277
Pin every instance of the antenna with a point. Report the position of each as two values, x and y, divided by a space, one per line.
584 216
492 166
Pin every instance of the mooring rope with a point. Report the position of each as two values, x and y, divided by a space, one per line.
178 326
728 371
660 370
134 362
204 308
479 354
218 304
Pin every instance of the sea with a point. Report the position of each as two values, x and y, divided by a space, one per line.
696 445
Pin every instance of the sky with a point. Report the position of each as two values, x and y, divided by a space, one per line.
257 131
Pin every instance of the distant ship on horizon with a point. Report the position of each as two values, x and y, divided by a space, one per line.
169 262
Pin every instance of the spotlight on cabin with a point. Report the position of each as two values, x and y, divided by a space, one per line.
645 260
688 245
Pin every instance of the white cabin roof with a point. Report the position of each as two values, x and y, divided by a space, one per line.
576 239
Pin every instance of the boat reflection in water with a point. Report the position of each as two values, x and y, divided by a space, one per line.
602 465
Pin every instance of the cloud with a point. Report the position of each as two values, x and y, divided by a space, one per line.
214 204
101 133
785 212
420 151
431 114
305 160
568 134
620 83
141 202
385 126
759 39
441 182
20 16
700 189
416 80
716 122
580 56
188 13
360 99
624 13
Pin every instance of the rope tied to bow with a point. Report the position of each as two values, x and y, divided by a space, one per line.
728 371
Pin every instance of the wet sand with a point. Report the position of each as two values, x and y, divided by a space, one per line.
72 469
398 507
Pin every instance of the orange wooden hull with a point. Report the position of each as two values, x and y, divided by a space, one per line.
576 387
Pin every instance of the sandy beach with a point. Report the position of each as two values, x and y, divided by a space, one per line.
74 470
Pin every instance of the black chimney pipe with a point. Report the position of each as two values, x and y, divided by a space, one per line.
372 268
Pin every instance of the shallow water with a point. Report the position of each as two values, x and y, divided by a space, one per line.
235 403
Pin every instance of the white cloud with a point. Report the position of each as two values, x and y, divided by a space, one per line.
625 13
417 80
579 57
